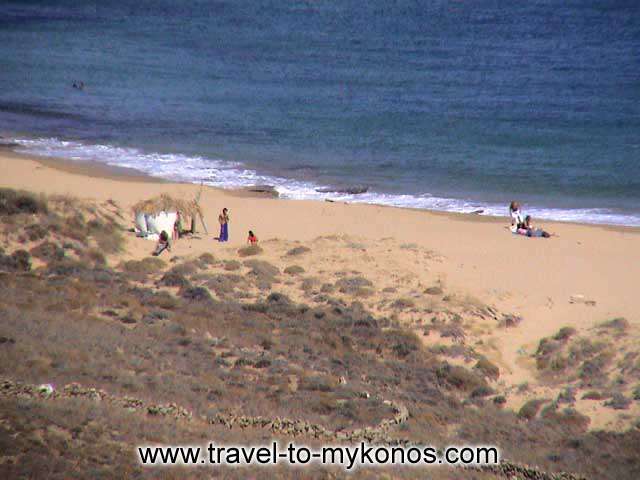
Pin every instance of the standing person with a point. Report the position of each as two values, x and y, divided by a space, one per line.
177 226
252 239
517 219
223 218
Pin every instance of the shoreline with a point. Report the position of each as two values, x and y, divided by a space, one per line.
236 178
97 169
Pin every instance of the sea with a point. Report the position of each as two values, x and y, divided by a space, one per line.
454 105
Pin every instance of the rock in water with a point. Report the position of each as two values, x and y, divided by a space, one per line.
354 190
264 189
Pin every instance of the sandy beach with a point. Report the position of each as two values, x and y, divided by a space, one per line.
582 277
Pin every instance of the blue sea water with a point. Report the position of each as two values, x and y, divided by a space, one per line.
448 105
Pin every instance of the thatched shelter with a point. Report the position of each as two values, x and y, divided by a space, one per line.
157 214
167 203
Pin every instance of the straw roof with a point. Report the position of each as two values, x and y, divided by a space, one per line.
167 203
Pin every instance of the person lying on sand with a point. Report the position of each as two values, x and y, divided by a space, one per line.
530 231
252 239
163 244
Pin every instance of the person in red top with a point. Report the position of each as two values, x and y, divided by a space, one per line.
252 239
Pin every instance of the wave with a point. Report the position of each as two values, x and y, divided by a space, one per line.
225 174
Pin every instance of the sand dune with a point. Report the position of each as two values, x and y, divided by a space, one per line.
510 291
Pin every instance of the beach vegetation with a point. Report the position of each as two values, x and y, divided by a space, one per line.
174 279
249 251
293 270
295 251
16 202
530 409
335 363
232 265
487 368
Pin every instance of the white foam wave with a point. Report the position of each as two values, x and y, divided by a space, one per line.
225 174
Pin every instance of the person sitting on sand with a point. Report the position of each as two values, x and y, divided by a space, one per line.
252 239
517 220
223 218
163 244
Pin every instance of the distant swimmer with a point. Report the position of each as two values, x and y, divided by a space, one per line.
78 85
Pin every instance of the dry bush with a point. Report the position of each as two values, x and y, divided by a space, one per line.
146 266
15 202
263 273
108 235
618 402
401 342
249 250
481 392
452 330
569 418
161 300
434 291
95 257
460 377
566 396
353 285
403 304
224 284
309 284
36 232
297 251
327 288
617 325
565 357
564 334
531 408
232 265
592 371
188 268
196 294
487 368
293 270
207 259
595 395
174 279
18 261
317 383
549 352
